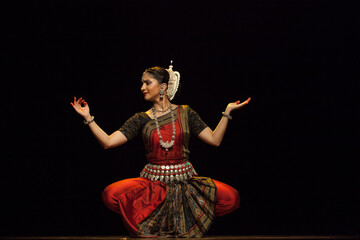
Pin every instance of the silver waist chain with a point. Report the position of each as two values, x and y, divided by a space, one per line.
168 173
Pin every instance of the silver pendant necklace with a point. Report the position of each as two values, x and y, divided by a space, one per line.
166 145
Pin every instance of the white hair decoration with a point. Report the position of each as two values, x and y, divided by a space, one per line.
174 79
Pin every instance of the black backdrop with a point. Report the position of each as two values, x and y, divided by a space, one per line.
291 153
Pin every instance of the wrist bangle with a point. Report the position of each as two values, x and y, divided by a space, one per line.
90 121
226 115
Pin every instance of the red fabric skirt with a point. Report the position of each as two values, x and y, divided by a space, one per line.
136 198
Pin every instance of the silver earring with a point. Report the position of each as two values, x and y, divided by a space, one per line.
161 93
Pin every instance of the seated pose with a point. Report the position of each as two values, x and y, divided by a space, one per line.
169 199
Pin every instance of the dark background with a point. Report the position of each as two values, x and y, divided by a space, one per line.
291 153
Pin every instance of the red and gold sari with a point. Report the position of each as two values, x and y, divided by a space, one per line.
184 207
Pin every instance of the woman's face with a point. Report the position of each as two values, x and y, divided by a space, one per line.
150 88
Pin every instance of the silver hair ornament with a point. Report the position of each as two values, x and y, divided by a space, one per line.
174 80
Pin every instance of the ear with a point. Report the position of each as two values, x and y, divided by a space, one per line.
164 86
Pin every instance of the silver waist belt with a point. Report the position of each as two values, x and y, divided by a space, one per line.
168 173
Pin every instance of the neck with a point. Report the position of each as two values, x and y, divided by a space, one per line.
162 105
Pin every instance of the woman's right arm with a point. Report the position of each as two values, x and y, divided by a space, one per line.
106 141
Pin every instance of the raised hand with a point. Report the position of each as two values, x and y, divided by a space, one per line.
81 107
236 105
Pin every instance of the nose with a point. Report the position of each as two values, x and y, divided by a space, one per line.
142 87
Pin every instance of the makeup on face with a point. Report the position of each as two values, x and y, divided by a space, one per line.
150 87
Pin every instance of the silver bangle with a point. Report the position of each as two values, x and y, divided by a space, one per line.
90 121
226 115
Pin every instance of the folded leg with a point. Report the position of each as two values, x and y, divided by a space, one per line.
227 199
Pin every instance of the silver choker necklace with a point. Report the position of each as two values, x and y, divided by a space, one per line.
166 145
162 111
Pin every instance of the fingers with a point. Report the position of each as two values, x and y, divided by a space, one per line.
77 103
238 104
83 103
73 103
245 102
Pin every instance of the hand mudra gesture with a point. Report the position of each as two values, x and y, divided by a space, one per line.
237 105
81 107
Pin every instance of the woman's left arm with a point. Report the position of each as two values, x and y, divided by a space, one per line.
215 137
